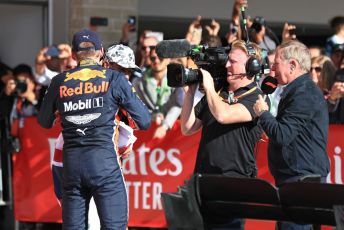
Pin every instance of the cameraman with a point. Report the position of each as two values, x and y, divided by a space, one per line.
229 133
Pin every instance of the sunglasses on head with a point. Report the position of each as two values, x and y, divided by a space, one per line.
317 69
150 47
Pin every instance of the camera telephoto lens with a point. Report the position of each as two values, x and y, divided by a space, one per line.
178 75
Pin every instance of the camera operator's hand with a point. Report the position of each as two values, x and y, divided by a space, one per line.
337 91
190 89
213 28
260 106
287 34
208 81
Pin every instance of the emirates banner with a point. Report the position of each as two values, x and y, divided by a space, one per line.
155 166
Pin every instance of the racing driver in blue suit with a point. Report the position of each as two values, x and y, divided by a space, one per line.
88 99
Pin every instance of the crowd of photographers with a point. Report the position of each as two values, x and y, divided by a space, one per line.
22 88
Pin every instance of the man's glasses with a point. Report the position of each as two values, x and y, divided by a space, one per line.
317 69
145 47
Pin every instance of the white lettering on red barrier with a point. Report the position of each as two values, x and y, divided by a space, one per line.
337 163
146 195
156 159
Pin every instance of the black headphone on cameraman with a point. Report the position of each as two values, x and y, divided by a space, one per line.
253 65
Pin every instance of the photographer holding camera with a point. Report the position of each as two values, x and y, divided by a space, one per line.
229 133
263 35
23 100
51 61
24 92
335 100
18 100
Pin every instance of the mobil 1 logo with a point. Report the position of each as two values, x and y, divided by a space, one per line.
83 104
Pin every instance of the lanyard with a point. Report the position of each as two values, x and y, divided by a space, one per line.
234 99
160 91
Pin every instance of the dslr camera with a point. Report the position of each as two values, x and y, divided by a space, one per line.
21 86
258 23
212 59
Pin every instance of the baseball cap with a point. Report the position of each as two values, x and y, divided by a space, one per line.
86 35
52 51
123 56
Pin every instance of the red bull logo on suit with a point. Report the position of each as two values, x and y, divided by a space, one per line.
85 74
84 88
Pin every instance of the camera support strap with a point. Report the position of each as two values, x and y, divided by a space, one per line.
234 99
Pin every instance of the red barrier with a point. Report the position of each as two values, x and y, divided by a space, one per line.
32 180
156 166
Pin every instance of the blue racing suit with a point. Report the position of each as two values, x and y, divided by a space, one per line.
87 99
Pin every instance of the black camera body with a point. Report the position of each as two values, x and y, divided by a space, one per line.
339 75
258 23
212 59
21 86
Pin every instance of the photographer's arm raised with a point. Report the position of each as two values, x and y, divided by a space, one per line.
189 123
222 111
40 61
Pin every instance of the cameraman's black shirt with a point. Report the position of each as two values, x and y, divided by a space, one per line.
228 149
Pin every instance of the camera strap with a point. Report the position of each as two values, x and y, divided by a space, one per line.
17 117
234 99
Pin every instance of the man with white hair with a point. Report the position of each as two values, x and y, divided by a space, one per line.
298 134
